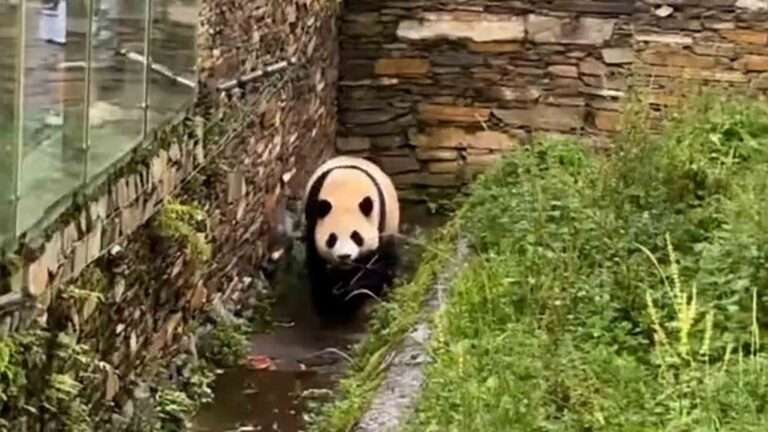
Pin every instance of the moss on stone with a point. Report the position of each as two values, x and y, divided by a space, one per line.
185 224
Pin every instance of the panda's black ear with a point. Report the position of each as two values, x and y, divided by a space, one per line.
321 209
366 206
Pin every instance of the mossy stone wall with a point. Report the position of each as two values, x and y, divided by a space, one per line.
95 307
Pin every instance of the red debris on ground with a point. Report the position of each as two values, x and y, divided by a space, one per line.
258 362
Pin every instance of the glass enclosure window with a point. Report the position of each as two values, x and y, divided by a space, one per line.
54 103
172 77
9 63
116 113
82 82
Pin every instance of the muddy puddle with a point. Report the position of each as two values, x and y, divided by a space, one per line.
307 356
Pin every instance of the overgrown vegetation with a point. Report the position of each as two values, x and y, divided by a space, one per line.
614 293
186 225
47 374
50 379
32 383
227 344
174 408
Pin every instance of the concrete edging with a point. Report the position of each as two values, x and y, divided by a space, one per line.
396 397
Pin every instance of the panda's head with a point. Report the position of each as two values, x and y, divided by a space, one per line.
346 216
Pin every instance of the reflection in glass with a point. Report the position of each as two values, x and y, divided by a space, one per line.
54 104
116 115
76 92
172 77
9 43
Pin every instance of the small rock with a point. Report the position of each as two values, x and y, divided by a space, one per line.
544 117
618 55
753 63
443 167
397 164
750 37
581 31
673 56
754 5
428 154
564 71
499 93
458 138
664 11
402 67
458 58
450 113
388 142
664 38
353 144
494 47
590 66
367 117
477 27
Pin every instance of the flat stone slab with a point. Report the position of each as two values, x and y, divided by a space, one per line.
477 27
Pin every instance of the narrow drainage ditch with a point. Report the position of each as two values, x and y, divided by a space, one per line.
307 355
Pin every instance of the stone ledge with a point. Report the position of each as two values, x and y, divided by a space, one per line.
398 394
475 27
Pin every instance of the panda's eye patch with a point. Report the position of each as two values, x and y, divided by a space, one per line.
330 242
357 238
322 209
366 206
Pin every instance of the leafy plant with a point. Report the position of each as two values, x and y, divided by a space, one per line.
174 408
186 225
227 344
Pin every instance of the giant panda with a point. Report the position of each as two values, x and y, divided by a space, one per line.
352 217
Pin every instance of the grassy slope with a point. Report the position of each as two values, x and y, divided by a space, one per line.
564 323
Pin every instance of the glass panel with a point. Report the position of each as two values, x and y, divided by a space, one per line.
9 44
115 115
172 77
54 100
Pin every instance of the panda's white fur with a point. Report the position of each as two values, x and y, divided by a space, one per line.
352 216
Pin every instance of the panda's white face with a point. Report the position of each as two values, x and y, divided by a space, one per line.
344 234
347 218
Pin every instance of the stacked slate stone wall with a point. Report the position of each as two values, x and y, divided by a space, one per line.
436 91
107 295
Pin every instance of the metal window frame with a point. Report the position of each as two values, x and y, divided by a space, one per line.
86 118
148 8
18 146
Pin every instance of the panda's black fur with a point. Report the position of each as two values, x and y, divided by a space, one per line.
337 293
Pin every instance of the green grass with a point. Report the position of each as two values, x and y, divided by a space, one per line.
614 293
